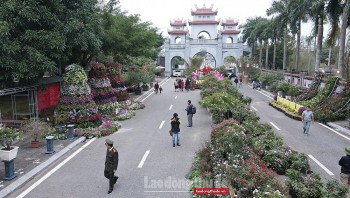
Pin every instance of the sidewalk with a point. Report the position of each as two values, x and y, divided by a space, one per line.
32 161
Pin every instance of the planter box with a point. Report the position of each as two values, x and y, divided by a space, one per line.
9 155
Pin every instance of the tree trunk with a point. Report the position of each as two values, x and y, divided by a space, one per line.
297 55
285 42
260 55
267 55
342 37
274 56
319 43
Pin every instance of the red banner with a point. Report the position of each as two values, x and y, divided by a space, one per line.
49 96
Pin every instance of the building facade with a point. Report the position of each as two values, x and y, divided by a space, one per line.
211 38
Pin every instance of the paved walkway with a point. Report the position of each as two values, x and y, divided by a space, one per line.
32 161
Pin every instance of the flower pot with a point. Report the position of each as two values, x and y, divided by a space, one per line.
9 155
35 144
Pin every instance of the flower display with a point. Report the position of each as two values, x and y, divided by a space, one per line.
76 104
99 82
104 95
218 75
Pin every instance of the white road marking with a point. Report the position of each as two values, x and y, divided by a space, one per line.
275 126
147 96
264 94
254 108
175 97
161 124
165 82
143 159
37 183
171 106
336 132
321 165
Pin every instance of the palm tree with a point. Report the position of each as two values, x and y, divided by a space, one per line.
336 9
342 37
317 15
258 31
299 9
280 8
249 35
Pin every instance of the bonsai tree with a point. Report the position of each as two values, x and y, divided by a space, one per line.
7 136
35 129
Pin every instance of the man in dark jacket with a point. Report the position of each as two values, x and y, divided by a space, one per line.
175 129
111 164
189 113
344 162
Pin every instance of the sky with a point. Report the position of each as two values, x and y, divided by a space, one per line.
161 12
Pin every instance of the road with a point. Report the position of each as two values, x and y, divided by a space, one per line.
149 166
324 146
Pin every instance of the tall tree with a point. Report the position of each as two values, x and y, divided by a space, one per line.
39 36
299 10
280 9
317 15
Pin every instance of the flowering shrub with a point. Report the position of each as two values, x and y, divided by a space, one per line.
98 70
75 104
122 96
218 75
76 100
108 108
301 110
75 89
99 82
278 159
75 75
253 174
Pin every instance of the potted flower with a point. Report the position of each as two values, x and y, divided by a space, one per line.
35 129
7 136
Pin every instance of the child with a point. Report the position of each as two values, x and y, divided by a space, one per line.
160 89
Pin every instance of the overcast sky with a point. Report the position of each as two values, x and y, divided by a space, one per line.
161 12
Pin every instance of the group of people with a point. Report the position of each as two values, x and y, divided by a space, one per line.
180 84
239 83
175 123
157 88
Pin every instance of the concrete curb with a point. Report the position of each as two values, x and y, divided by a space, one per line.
19 182
338 128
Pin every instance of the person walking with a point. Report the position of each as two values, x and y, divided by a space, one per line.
189 113
111 164
182 85
176 84
156 87
175 129
236 81
240 83
160 89
344 162
187 84
307 117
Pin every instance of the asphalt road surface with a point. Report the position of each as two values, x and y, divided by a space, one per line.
324 146
149 166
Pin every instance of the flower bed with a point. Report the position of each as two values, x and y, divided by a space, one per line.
246 157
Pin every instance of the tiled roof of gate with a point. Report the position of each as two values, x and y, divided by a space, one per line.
196 22
231 31
177 31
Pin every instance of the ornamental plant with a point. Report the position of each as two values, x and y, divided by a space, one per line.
323 94
8 136
104 95
76 104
